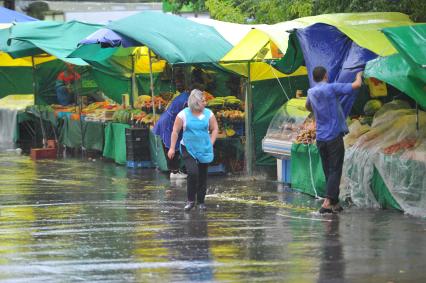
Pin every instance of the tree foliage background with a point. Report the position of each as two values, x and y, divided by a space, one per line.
274 11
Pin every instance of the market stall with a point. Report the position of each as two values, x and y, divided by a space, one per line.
291 140
342 61
385 163
223 95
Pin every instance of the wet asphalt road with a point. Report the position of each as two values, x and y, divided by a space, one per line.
87 221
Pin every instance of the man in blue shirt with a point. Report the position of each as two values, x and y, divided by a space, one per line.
323 100
164 128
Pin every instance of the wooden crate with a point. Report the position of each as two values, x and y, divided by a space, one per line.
43 153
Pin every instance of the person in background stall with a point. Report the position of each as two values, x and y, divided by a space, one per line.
200 130
164 127
323 100
64 86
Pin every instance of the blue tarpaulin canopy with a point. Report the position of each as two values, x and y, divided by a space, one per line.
108 38
9 16
324 45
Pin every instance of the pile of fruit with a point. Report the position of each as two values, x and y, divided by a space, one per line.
307 134
98 105
227 102
145 102
402 145
230 115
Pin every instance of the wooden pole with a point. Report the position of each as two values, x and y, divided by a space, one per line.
249 148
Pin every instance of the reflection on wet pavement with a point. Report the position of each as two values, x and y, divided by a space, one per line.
77 220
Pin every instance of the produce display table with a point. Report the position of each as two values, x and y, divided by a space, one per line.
227 152
82 134
115 142
306 169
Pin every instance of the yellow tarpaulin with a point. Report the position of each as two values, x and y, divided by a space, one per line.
364 28
141 62
17 101
261 71
259 43
7 61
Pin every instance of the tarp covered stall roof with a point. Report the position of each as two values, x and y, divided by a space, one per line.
57 39
406 70
15 74
324 45
118 59
108 38
176 39
232 32
410 41
254 48
9 16
362 28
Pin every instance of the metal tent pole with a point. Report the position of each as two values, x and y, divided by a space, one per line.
417 117
151 86
249 148
35 100
134 93
79 104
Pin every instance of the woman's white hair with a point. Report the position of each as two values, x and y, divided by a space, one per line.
195 100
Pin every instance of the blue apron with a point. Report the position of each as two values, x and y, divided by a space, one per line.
196 136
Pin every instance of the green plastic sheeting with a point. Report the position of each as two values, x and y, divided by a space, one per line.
15 80
307 175
410 41
71 134
112 86
406 70
381 192
115 142
174 38
54 38
293 58
158 157
265 109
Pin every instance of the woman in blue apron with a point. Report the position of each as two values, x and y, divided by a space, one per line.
199 135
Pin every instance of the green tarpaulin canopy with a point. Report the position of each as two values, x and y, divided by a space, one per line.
176 39
54 38
407 69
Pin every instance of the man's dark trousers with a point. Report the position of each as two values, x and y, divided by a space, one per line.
332 155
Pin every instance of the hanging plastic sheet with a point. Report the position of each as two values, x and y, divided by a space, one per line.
406 70
386 166
324 45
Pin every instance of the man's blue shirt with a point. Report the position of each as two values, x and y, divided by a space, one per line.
164 126
324 100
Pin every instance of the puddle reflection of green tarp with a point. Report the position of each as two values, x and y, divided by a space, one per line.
115 142
71 134
303 158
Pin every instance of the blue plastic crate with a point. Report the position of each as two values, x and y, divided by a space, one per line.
239 128
216 169
140 164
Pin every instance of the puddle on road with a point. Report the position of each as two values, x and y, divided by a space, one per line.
76 220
